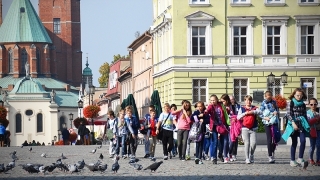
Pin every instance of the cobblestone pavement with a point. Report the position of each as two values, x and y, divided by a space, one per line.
172 168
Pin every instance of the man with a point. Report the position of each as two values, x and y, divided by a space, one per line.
65 136
146 132
81 132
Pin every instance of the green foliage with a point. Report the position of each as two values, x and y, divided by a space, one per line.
118 57
260 125
104 70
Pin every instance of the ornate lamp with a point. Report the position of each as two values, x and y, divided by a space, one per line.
284 78
271 79
71 118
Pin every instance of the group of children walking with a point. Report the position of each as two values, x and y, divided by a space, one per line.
215 129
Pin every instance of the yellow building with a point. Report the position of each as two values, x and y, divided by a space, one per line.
204 47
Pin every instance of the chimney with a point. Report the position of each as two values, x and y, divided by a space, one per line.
67 86
10 87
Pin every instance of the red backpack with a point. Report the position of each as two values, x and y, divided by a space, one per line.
248 120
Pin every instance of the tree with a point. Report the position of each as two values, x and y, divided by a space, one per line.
104 70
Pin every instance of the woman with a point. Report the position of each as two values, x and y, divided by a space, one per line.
314 121
184 122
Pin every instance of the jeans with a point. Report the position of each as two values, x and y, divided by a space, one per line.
182 142
123 145
199 149
111 147
212 143
146 143
167 141
233 147
133 144
224 145
175 147
315 143
271 146
294 138
153 144
249 138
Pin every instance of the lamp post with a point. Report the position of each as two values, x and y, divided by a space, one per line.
90 92
271 79
283 79
71 118
80 106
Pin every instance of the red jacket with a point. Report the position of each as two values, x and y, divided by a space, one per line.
212 113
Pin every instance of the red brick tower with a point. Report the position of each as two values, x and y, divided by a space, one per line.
61 18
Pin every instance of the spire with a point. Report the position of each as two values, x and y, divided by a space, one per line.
87 64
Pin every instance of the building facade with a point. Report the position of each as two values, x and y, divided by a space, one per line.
205 47
141 56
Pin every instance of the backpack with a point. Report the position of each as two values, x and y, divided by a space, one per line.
248 120
195 132
276 134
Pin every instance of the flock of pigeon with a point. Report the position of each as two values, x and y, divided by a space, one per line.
98 166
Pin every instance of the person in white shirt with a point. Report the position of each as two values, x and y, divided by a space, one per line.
110 131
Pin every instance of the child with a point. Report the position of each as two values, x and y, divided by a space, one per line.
314 121
109 130
226 115
152 131
133 126
297 125
173 107
121 134
233 148
248 114
269 118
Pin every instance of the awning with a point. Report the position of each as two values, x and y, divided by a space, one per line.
101 120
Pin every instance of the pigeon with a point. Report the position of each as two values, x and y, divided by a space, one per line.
102 168
14 156
81 164
101 156
2 168
44 155
115 166
153 167
21 146
305 165
93 166
43 169
94 151
136 166
153 159
31 168
13 153
52 167
73 168
100 146
30 149
12 164
132 161
63 157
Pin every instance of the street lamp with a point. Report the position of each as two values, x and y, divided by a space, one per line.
271 79
80 106
284 78
71 118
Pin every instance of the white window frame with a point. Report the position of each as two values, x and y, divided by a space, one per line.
308 20
56 25
246 21
274 2
200 87
199 3
248 89
315 3
314 86
239 3
277 59
199 19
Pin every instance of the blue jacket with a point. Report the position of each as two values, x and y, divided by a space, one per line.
2 129
289 129
133 124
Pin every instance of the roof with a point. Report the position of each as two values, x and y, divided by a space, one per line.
22 24
67 99
142 38
26 85
87 71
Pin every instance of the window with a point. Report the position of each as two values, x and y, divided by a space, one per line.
276 88
199 2
240 89
38 60
39 123
274 2
18 123
24 59
199 90
239 40
307 40
10 60
198 40
62 122
240 3
56 26
308 2
308 86
273 40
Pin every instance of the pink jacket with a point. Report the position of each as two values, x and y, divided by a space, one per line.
235 128
182 123
212 113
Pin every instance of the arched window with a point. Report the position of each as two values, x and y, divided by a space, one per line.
38 61
62 121
10 60
24 59
18 123
39 123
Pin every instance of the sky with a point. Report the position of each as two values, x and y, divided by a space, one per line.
108 27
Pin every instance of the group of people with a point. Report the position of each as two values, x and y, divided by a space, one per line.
33 143
215 129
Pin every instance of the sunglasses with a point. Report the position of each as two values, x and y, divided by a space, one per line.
313 104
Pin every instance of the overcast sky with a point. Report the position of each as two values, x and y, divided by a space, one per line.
108 27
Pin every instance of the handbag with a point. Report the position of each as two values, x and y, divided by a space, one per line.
160 134
313 132
221 129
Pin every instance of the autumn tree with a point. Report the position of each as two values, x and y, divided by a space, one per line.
104 70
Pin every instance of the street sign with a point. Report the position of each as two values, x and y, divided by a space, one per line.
307 84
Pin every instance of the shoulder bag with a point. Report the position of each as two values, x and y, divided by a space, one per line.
160 134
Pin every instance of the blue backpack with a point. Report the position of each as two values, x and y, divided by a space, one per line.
276 133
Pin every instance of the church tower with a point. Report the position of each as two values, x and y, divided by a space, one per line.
61 19
0 12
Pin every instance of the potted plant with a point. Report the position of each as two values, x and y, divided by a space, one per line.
76 122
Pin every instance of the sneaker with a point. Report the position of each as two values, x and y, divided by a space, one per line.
111 156
124 156
226 160
293 163
200 162
234 157
230 158
188 158
165 158
146 156
271 159
317 163
214 161
208 158
170 156
300 161
196 161
311 162
248 161
251 158
153 159
220 157
183 158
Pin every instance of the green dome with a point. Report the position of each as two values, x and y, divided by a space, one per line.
87 71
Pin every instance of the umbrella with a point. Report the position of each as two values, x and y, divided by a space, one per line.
130 101
155 100
123 104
